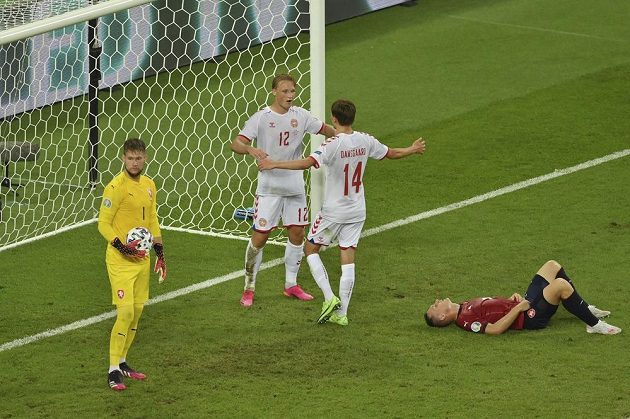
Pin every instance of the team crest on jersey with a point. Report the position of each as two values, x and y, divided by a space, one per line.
107 203
475 327
262 222
121 294
294 123
531 313
272 124
150 193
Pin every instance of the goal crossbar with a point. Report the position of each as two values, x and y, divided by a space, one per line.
51 23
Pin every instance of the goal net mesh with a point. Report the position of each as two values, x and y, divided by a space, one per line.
183 76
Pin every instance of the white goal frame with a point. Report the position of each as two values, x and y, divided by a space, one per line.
105 8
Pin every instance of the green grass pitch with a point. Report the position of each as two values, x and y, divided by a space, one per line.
503 91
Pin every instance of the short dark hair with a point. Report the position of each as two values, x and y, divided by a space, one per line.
134 144
282 77
431 323
344 111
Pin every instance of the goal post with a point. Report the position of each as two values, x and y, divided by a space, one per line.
184 76
318 96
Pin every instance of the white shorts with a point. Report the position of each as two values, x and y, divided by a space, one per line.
269 209
323 232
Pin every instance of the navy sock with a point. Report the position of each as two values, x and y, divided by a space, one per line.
579 308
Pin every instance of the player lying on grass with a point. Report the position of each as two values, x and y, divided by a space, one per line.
343 212
549 287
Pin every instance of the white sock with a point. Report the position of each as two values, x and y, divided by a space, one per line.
321 276
346 284
122 360
253 258
113 368
292 260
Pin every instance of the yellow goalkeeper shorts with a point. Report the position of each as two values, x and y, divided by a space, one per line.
130 282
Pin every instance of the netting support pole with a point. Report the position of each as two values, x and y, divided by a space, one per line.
94 72
317 32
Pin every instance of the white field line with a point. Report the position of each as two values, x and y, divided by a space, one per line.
502 191
49 234
220 235
275 262
93 220
534 28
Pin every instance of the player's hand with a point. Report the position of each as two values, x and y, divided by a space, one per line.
160 263
265 164
516 297
160 269
129 249
257 153
523 305
419 146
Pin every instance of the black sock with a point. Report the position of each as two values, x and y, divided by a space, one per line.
579 308
562 274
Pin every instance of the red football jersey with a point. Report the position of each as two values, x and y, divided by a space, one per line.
474 315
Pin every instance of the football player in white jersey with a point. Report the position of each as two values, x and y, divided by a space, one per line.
278 132
343 211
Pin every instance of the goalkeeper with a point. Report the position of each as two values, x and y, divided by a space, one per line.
129 201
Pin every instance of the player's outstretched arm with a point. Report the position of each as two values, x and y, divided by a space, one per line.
506 321
241 145
268 164
417 147
328 131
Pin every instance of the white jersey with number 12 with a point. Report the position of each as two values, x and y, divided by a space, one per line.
281 137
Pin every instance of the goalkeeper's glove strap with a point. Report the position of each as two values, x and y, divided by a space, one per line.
125 250
159 250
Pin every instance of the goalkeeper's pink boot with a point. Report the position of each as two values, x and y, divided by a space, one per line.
248 298
127 371
297 292
115 380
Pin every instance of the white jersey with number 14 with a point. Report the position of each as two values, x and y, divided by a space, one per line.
345 157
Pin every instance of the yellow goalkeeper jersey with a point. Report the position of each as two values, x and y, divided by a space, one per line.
127 204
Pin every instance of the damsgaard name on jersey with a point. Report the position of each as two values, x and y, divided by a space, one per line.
352 153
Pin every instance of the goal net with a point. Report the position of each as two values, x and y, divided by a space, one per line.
183 76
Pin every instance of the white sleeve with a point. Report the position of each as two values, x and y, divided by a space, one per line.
319 156
378 150
250 130
311 124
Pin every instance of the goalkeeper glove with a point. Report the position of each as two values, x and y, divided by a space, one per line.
160 263
129 249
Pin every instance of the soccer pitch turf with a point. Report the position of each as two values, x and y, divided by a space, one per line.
504 92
